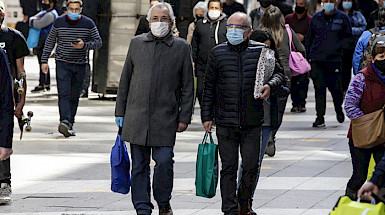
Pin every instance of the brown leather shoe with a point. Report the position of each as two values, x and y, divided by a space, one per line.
165 210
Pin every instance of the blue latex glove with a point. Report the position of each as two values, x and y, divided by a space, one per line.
119 121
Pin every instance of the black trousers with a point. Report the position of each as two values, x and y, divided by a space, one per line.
360 162
44 79
327 75
5 171
347 57
230 139
299 89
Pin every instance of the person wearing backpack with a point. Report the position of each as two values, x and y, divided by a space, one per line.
364 43
358 26
44 21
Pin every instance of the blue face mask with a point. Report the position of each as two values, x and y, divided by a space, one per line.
73 16
329 7
347 5
234 35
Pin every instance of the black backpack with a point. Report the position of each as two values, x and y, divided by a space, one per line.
376 34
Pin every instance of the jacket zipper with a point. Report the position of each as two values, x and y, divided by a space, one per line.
240 89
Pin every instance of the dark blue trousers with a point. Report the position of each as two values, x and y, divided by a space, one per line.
162 182
69 78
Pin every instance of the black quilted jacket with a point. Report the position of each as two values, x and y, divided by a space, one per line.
228 94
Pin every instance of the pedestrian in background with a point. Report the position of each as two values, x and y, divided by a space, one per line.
299 21
14 45
367 7
257 13
44 21
6 131
274 21
328 32
358 22
154 101
232 6
74 35
209 32
373 18
366 94
229 98
363 42
200 9
143 26
284 7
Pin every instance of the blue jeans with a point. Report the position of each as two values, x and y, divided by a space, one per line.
69 78
162 183
266 131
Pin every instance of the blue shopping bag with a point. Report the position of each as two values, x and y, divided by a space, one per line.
33 37
120 167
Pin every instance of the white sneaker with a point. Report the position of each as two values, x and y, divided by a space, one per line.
5 193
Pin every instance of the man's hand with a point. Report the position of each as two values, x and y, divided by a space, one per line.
19 110
182 127
207 125
5 153
79 44
265 90
300 37
365 192
25 19
44 68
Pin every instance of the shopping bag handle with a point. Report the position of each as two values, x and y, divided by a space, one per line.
373 202
208 133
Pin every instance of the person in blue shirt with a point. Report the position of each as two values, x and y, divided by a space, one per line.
358 23
364 40
328 32
44 21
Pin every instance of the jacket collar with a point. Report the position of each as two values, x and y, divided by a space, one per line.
371 74
240 47
169 39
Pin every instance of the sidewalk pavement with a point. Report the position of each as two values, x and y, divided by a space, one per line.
56 175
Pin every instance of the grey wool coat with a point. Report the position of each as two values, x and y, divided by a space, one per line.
156 90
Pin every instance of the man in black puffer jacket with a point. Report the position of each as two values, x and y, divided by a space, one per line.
228 97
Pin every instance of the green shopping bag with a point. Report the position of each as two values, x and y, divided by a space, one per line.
206 178
346 206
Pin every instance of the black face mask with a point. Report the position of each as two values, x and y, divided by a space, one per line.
380 66
199 17
299 9
1 20
45 6
265 3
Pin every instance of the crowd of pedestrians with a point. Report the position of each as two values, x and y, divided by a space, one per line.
243 80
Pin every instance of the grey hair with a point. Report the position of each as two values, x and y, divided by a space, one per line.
200 5
307 3
248 19
162 5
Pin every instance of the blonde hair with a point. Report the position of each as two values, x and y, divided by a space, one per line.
273 21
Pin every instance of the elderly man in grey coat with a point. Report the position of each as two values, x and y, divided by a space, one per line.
154 101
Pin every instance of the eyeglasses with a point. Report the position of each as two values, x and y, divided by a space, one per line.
74 10
236 26
160 19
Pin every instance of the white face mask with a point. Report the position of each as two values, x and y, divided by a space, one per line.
159 29
214 14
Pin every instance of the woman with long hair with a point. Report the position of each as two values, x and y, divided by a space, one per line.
274 22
